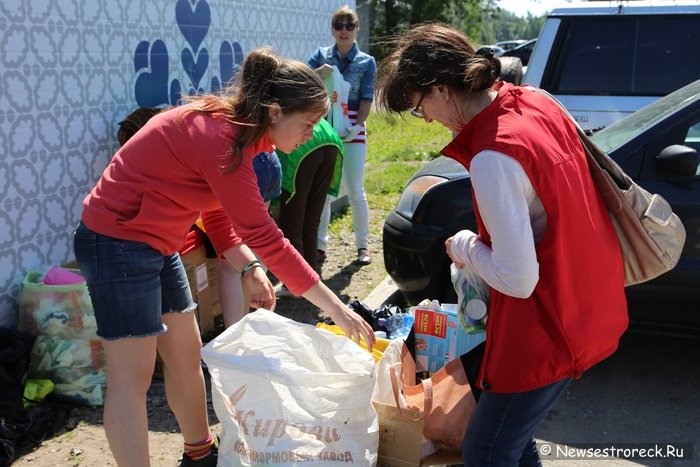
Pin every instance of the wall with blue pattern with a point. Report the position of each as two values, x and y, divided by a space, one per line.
70 70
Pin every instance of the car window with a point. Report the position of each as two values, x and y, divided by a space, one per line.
626 56
628 128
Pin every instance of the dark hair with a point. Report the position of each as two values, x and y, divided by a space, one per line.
134 121
430 55
265 79
345 13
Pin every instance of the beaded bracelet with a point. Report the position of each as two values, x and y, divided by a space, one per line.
253 264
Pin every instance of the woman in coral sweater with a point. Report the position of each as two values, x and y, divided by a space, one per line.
199 159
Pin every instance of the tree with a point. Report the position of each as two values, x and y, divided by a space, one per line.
475 17
482 20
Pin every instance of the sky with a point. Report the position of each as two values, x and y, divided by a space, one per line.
536 7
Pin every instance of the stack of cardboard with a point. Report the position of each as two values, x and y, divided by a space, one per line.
400 440
203 276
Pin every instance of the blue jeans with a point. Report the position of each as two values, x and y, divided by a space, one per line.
502 431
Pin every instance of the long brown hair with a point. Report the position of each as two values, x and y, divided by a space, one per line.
265 79
430 55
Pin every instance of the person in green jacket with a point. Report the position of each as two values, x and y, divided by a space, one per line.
309 173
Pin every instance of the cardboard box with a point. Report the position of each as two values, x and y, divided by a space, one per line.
203 276
440 337
400 441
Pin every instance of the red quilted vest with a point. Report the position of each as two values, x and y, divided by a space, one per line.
578 311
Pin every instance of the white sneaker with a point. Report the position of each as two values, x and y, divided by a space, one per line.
363 256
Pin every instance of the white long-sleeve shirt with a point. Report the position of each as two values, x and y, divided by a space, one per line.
515 219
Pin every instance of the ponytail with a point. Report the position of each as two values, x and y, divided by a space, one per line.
265 78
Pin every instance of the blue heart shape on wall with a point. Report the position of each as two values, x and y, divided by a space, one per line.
195 68
230 59
175 92
215 85
193 22
151 87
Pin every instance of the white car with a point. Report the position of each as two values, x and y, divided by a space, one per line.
604 60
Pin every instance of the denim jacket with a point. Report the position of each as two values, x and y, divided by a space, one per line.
358 69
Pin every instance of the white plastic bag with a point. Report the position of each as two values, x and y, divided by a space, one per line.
67 350
339 92
382 389
472 299
384 393
289 393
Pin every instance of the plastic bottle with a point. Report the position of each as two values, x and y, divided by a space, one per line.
398 325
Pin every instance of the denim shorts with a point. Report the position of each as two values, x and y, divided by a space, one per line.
131 284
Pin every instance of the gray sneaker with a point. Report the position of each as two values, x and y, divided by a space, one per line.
363 256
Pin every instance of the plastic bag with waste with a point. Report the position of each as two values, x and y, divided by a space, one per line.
472 299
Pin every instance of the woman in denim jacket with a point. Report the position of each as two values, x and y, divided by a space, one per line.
359 69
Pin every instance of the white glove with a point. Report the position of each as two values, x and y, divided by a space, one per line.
353 131
343 133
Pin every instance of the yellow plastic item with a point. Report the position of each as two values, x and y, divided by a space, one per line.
379 346
36 389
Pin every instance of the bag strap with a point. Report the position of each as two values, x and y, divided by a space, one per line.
395 388
593 152
427 397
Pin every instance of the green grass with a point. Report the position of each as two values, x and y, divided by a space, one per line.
395 139
397 148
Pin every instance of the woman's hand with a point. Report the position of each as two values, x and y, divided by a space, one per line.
448 247
350 322
254 279
324 71
352 132
262 294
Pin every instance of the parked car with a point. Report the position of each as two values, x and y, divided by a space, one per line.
604 60
510 44
497 50
437 203
523 51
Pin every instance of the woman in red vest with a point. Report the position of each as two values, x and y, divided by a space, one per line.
545 243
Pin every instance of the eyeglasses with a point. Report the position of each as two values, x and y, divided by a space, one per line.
417 111
348 26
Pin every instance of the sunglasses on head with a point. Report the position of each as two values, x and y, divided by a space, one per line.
348 26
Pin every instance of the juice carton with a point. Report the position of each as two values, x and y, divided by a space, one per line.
440 337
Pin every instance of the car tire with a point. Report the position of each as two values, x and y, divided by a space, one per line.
511 70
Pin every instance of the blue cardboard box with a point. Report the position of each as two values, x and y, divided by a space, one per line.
440 337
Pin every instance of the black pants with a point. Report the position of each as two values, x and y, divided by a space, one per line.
300 214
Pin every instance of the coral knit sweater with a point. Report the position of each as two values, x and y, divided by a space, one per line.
169 172
577 311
